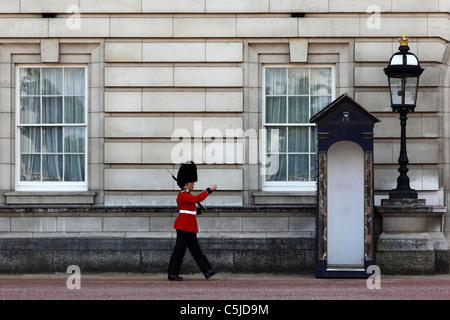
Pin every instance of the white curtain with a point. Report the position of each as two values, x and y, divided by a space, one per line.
293 96
54 98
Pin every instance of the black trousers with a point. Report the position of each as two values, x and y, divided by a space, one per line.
186 239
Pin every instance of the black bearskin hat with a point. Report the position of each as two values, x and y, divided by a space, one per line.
187 173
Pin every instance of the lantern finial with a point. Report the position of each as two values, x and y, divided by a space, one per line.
403 40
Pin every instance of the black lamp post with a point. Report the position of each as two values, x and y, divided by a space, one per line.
403 72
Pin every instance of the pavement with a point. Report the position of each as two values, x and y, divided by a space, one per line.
223 286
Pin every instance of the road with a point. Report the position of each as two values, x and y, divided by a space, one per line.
220 287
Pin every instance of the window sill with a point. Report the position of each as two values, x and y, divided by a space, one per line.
284 198
49 198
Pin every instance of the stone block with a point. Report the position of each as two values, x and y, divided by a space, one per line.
208 77
226 179
137 179
49 50
173 51
328 27
272 224
204 27
175 101
10 6
406 262
85 27
370 77
30 6
394 26
117 152
16 262
215 127
224 51
94 260
298 49
5 224
237 6
174 6
266 27
110 6
130 127
298 6
123 101
141 27
78 224
430 77
373 51
157 152
217 224
374 101
224 101
138 76
431 51
358 6
415 6
123 51
33 224
24 28
128 224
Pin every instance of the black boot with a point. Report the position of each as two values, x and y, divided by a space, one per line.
173 277
208 274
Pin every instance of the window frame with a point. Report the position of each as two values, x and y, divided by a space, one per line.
289 186
50 186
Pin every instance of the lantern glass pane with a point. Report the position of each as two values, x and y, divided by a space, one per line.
396 90
411 85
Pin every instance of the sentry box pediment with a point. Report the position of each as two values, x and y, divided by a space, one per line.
344 119
345 211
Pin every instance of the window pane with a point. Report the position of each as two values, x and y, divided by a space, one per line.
52 166
30 140
30 167
298 110
51 110
276 167
74 110
52 139
298 139
52 81
275 81
313 139
30 81
74 81
313 159
74 139
320 81
74 167
298 81
275 110
298 167
318 103
30 110
276 139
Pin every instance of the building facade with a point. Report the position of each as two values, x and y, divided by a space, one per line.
100 101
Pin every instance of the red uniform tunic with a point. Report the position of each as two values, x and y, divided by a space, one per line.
187 220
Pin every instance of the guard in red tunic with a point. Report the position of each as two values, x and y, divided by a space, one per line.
186 223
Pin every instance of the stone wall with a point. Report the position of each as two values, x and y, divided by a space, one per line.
165 72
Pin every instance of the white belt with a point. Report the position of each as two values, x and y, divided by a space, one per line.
188 212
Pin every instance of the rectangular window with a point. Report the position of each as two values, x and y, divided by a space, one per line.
51 119
292 95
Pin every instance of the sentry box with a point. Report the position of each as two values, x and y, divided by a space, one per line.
345 209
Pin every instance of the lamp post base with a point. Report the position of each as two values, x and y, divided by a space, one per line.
403 194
